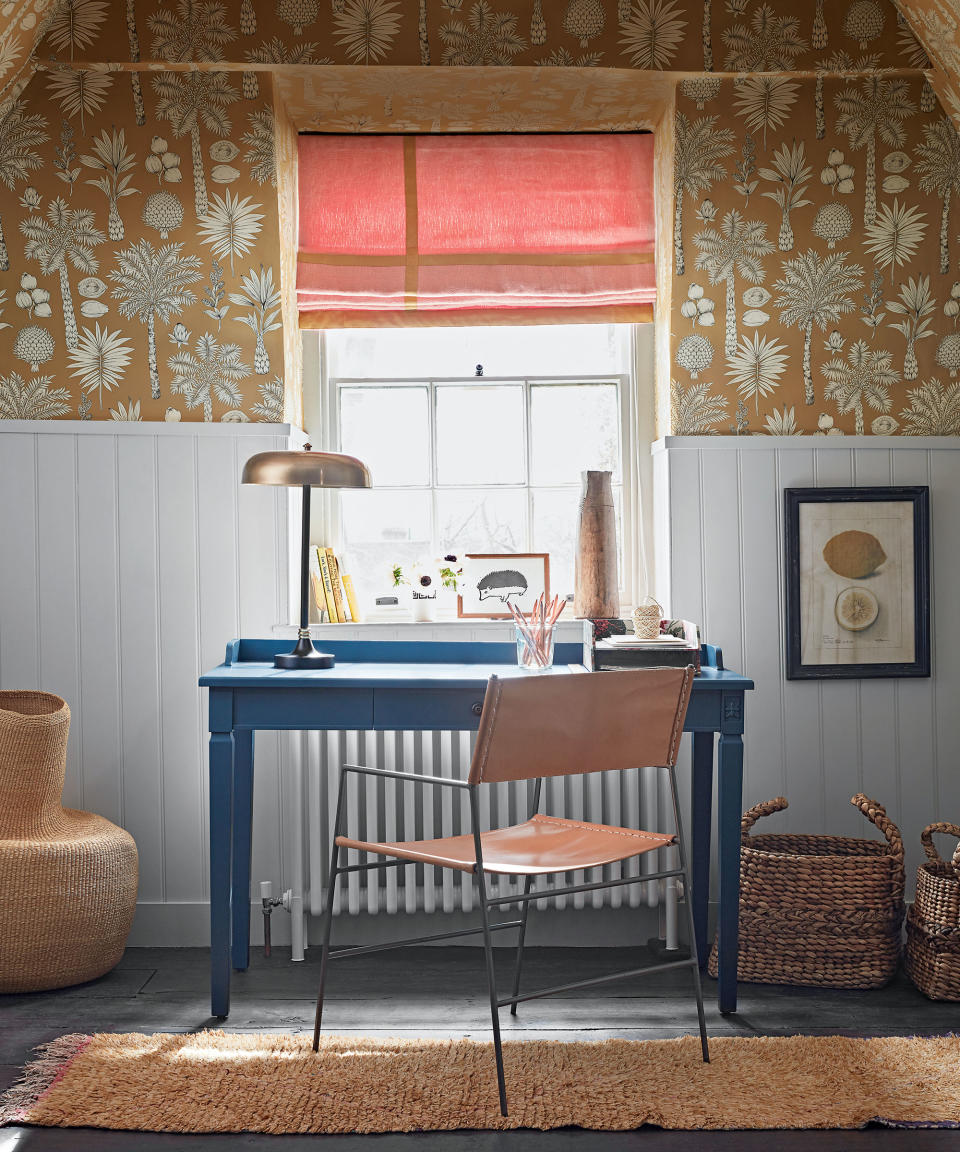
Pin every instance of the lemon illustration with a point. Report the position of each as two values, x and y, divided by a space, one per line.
854 554
856 609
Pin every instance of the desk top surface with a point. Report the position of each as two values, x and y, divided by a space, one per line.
249 665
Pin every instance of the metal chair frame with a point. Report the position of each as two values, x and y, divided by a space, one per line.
487 904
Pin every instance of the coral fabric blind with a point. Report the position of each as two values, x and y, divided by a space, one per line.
475 229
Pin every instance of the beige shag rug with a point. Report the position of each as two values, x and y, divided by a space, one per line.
217 1082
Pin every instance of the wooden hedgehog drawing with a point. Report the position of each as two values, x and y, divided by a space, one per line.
502 584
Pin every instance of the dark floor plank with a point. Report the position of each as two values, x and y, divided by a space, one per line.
119 982
558 1140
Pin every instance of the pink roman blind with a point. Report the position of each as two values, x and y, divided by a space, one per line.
475 229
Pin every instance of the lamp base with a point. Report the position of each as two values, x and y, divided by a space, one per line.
304 655
315 660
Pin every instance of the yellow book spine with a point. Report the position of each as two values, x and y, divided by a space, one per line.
316 582
319 595
334 568
327 586
351 598
339 586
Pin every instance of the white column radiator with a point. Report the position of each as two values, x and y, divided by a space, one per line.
386 809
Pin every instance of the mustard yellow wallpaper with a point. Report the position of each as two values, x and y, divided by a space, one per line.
677 35
816 283
936 23
146 241
139 249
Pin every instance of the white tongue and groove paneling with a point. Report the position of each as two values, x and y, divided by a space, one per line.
719 531
129 556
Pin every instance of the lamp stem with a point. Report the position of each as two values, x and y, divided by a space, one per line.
305 563
304 655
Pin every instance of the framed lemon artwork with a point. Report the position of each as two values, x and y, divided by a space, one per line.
857 564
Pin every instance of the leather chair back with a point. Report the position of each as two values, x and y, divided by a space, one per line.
558 725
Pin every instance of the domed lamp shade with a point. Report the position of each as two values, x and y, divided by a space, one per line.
306 469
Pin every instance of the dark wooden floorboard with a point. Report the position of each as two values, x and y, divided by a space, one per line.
439 992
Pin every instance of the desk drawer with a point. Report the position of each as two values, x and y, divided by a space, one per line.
328 707
405 708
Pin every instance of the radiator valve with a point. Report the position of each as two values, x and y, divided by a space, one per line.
268 904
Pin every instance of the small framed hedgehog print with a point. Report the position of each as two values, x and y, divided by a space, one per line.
857 582
493 581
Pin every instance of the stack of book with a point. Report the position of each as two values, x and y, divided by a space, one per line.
629 651
332 590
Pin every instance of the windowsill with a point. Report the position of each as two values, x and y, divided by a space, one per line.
570 631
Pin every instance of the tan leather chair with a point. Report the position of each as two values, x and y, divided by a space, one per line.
532 727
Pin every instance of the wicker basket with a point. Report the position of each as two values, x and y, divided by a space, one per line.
646 619
824 911
933 923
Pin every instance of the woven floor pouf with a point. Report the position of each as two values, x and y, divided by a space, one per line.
68 879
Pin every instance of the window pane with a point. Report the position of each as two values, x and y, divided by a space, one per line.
555 531
380 516
480 437
482 520
556 514
574 427
389 429
515 350
381 528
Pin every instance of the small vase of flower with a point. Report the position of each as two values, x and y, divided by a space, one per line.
449 571
423 592
432 584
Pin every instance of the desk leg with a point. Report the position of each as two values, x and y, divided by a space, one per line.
702 820
730 797
242 845
221 819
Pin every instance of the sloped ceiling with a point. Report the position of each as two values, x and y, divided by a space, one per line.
22 26
936 24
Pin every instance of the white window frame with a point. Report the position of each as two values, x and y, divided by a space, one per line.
631 546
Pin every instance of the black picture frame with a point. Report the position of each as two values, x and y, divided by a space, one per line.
918 497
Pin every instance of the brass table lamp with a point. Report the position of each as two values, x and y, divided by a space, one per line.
306 469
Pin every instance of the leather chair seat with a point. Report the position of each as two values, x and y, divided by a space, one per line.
538 846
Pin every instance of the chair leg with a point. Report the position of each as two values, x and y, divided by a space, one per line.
528 884
688 902
325 953
492 986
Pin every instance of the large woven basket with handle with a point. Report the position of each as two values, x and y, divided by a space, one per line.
824 911
933 923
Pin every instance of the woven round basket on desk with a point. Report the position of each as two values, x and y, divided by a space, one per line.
933 923
646 619
823 911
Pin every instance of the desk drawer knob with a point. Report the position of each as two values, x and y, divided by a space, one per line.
477 708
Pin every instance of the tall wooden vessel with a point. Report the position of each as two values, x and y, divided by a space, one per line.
597 590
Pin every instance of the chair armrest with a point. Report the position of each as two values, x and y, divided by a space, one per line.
415 777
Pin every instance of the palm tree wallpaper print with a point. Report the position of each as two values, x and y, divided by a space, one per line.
812 232
139 231
816 223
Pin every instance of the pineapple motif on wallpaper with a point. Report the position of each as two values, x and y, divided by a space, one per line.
816 278
835 249
104 261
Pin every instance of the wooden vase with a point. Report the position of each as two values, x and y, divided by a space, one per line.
597 585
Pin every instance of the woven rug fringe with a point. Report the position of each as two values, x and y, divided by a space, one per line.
40 1075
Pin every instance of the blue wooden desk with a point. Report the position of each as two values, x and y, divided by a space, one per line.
390 685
